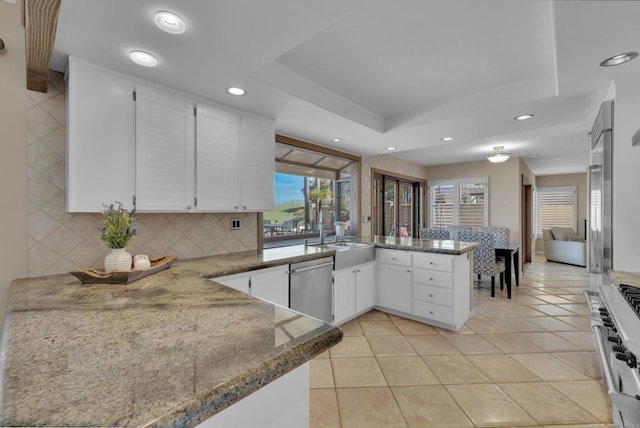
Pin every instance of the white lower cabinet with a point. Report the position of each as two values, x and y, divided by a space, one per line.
354 291
441 288
281 403
429 287
395 287
394 279
365 287
271 284
239 281
344 295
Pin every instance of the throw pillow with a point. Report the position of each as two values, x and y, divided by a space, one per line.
560 232
547 235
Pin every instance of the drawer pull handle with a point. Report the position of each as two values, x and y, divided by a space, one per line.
393 258
430 279
431 263
431 312
430 295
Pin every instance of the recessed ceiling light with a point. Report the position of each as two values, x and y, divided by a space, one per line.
143 58
618 59
447 138
236 91
336 140
169 22
524 116
390 149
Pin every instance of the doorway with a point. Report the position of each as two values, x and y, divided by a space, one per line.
527 223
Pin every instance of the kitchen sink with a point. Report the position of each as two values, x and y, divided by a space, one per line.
349 244
349 253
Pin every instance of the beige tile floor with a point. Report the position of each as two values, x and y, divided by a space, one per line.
526 362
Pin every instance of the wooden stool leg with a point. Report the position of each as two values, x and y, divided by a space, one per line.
501 280
493 286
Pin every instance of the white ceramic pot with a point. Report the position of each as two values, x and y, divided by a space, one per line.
117 260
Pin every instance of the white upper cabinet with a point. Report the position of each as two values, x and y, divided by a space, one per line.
217 157
235 161
257 163
164 151
100 138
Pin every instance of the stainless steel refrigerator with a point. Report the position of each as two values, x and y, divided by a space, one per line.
600 187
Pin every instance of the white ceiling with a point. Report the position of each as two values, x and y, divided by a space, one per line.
378 73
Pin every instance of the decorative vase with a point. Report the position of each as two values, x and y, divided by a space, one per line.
117 260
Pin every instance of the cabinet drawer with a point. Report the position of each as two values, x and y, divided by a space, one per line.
432 311
398 258
431 277
430 294
433 261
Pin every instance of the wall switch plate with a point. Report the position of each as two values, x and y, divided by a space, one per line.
235 224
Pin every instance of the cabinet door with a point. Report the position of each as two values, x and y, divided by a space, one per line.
272 284
257 164
164 151
217 152
238 282
344 295
365 287
395 287
100 138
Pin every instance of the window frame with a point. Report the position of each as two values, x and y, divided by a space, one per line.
456 183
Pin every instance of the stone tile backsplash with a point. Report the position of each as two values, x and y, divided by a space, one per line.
60 241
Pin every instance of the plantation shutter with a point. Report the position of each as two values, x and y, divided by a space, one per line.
441 214
472 204
462 201
556 206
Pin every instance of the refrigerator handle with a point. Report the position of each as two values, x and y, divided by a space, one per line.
587 229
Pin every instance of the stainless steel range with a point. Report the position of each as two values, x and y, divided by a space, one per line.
615 323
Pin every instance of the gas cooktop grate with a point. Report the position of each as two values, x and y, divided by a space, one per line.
632 296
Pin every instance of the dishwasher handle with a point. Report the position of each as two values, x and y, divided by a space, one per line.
311 267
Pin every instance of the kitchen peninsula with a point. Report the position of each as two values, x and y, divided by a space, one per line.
172 349
176 349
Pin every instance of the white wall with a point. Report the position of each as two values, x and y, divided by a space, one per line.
626 177
13 161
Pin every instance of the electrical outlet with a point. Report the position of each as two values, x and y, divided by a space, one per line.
235 224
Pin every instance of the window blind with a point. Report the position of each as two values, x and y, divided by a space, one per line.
555 206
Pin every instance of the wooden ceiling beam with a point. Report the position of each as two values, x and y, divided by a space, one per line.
41 23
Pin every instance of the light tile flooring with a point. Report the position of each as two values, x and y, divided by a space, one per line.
527 361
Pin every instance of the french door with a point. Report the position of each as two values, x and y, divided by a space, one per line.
395 206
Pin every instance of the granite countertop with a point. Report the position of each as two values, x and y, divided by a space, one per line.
622 277
171 349
417 244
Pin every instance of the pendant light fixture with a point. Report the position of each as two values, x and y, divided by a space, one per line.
500 155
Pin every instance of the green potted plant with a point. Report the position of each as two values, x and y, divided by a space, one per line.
117 230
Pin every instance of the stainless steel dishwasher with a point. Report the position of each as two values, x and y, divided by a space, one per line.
310 288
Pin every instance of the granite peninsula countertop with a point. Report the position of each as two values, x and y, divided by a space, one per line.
171 349
623 277
417 244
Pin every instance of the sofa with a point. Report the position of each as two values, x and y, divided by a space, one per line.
561 244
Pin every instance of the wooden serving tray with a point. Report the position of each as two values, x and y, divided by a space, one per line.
95 276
